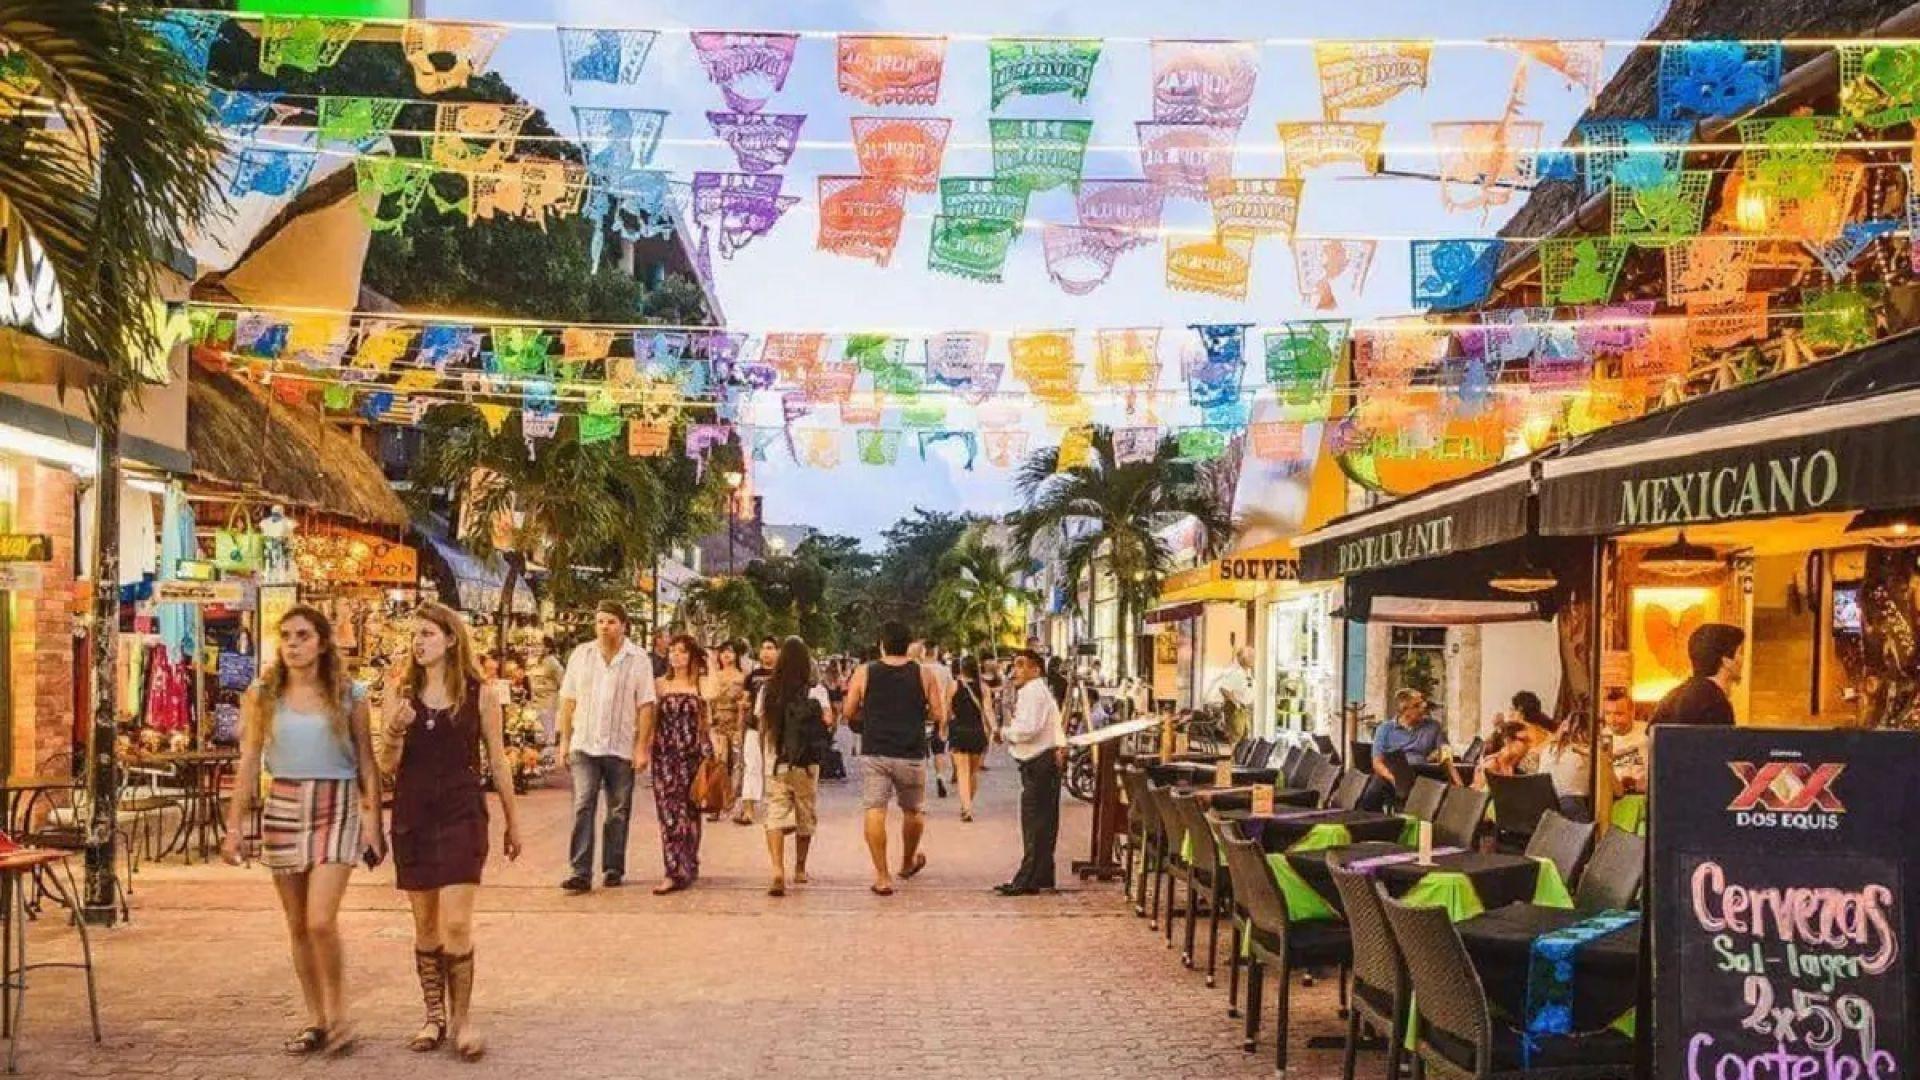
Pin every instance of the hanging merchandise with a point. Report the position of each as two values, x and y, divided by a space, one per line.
1214 372
1131 206
1662 214
1204 82
1319 265
1580 270
1486 163
984 197
1076 449
303 44
1200 444
889 70
1449 275
860 217
1005 449
470 46
476 137
968 442
270 170
1129 358
1632 153
617 140
874 446
761 142
1039 66
1251 208
1186 160
906 149
1080 259
1135 445
1217 265
973 248
1581 63
1703 79
1839 318
748 68
1312 144
362 122
1365 74
604 56
236 548
1039 154
1709 269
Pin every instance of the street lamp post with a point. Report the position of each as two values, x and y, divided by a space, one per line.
733 478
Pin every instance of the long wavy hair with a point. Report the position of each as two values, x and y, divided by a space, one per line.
330 669
462 663
791 679
696 656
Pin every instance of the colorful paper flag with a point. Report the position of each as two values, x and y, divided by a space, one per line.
1580 270
1186 160
1365 74
1486 163
1040 66
748 68
1005 449
1081 259
304 44
984 197
1131 206
1076 449
1704 79
891 70
1320 265
1204 82
1127 357
1313 144
1709 269
1220 266
906 149
860 217
615 57
1249 207
1135 445
1039 154
1632 153
470 46
875 446
617 140
1452 274
972 248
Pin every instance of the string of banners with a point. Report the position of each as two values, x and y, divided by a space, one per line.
1511 368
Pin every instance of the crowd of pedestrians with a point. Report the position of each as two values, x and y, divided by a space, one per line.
687 716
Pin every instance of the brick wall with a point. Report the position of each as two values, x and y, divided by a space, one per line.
42 639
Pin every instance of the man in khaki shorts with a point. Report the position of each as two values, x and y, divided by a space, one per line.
889 702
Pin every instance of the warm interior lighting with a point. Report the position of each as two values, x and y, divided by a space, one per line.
1896 527
1751 210
1681 559
1524 579
1662 619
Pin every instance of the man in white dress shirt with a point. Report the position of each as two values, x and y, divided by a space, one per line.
1037 740
604 697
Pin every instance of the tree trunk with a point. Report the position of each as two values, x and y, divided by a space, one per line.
514 561
102 886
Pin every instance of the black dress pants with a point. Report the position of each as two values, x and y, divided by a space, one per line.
1039 820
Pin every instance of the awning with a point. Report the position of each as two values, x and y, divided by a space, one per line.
1242 576
1459 589
479 582
1834 437
1173 613
1464 515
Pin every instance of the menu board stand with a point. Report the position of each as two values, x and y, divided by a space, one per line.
1782 894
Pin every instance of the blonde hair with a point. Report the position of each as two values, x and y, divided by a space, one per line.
462 664
331 671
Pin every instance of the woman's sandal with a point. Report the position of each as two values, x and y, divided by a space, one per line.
423 1043
778 888
307 1041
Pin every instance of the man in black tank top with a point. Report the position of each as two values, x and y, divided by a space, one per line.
890 703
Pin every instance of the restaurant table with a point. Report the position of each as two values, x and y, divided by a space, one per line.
1603 973
200 772
1287 830
1240 798
1190 756
1465 883
15 867
1199 774
1630 814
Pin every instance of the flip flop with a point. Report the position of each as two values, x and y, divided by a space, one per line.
919 864
880 890
307 1041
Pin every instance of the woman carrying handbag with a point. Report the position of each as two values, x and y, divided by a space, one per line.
675 742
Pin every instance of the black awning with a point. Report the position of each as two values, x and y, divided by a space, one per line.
1465 577
1834 437
1465 515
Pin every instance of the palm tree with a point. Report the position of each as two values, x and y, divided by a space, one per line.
108 181
978 584
557 499
728 607
1107 510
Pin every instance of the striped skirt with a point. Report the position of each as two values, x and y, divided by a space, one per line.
309 822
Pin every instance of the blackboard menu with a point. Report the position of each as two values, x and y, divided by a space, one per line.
1782 863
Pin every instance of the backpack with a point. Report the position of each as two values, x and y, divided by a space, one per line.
804 735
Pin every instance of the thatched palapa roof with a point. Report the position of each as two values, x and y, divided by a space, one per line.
244 438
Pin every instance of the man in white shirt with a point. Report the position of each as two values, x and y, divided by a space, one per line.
1037 740
605 698
1627 741
1233 692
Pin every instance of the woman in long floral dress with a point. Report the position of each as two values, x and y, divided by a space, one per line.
674 743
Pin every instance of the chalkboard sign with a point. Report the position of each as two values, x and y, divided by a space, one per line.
1782 863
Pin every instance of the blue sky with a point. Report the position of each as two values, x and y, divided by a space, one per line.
781 282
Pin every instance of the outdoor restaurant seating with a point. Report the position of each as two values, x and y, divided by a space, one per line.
1272 940
1518 802
1138 843
1561 841
1171 867
1322 780
1236 912
1461 813
1283 758
1454 1032
1611 881
1378 995
1423 801
1303 768
1204 877
1351 789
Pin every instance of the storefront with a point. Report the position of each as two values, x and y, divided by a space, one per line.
1787 508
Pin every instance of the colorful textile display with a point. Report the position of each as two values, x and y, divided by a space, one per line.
860 216
604 56
906 149
471 46
1701 79
1204 82
1221 266
1365 74
1311 144
1186 160
1039 154
891 70
761 142
748 68
1449 275
1039 66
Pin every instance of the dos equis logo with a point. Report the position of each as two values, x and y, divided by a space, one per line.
1787 795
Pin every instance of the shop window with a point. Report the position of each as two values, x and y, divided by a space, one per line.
1417 659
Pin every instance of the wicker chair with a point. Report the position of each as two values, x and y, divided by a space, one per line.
1380 988
1350 790
1518 802
1205 877
1305 769
1275 940
1143 826
1423 801
1612 877
1288 761
1224 831
1322 780
1560 840
1457 1038
1172 865
1461 814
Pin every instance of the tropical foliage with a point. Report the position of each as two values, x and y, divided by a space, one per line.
979 600
1114 514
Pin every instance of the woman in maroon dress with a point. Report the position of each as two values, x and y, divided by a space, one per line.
440 719
675 741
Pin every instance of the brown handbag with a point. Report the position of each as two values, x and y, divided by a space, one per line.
712 786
